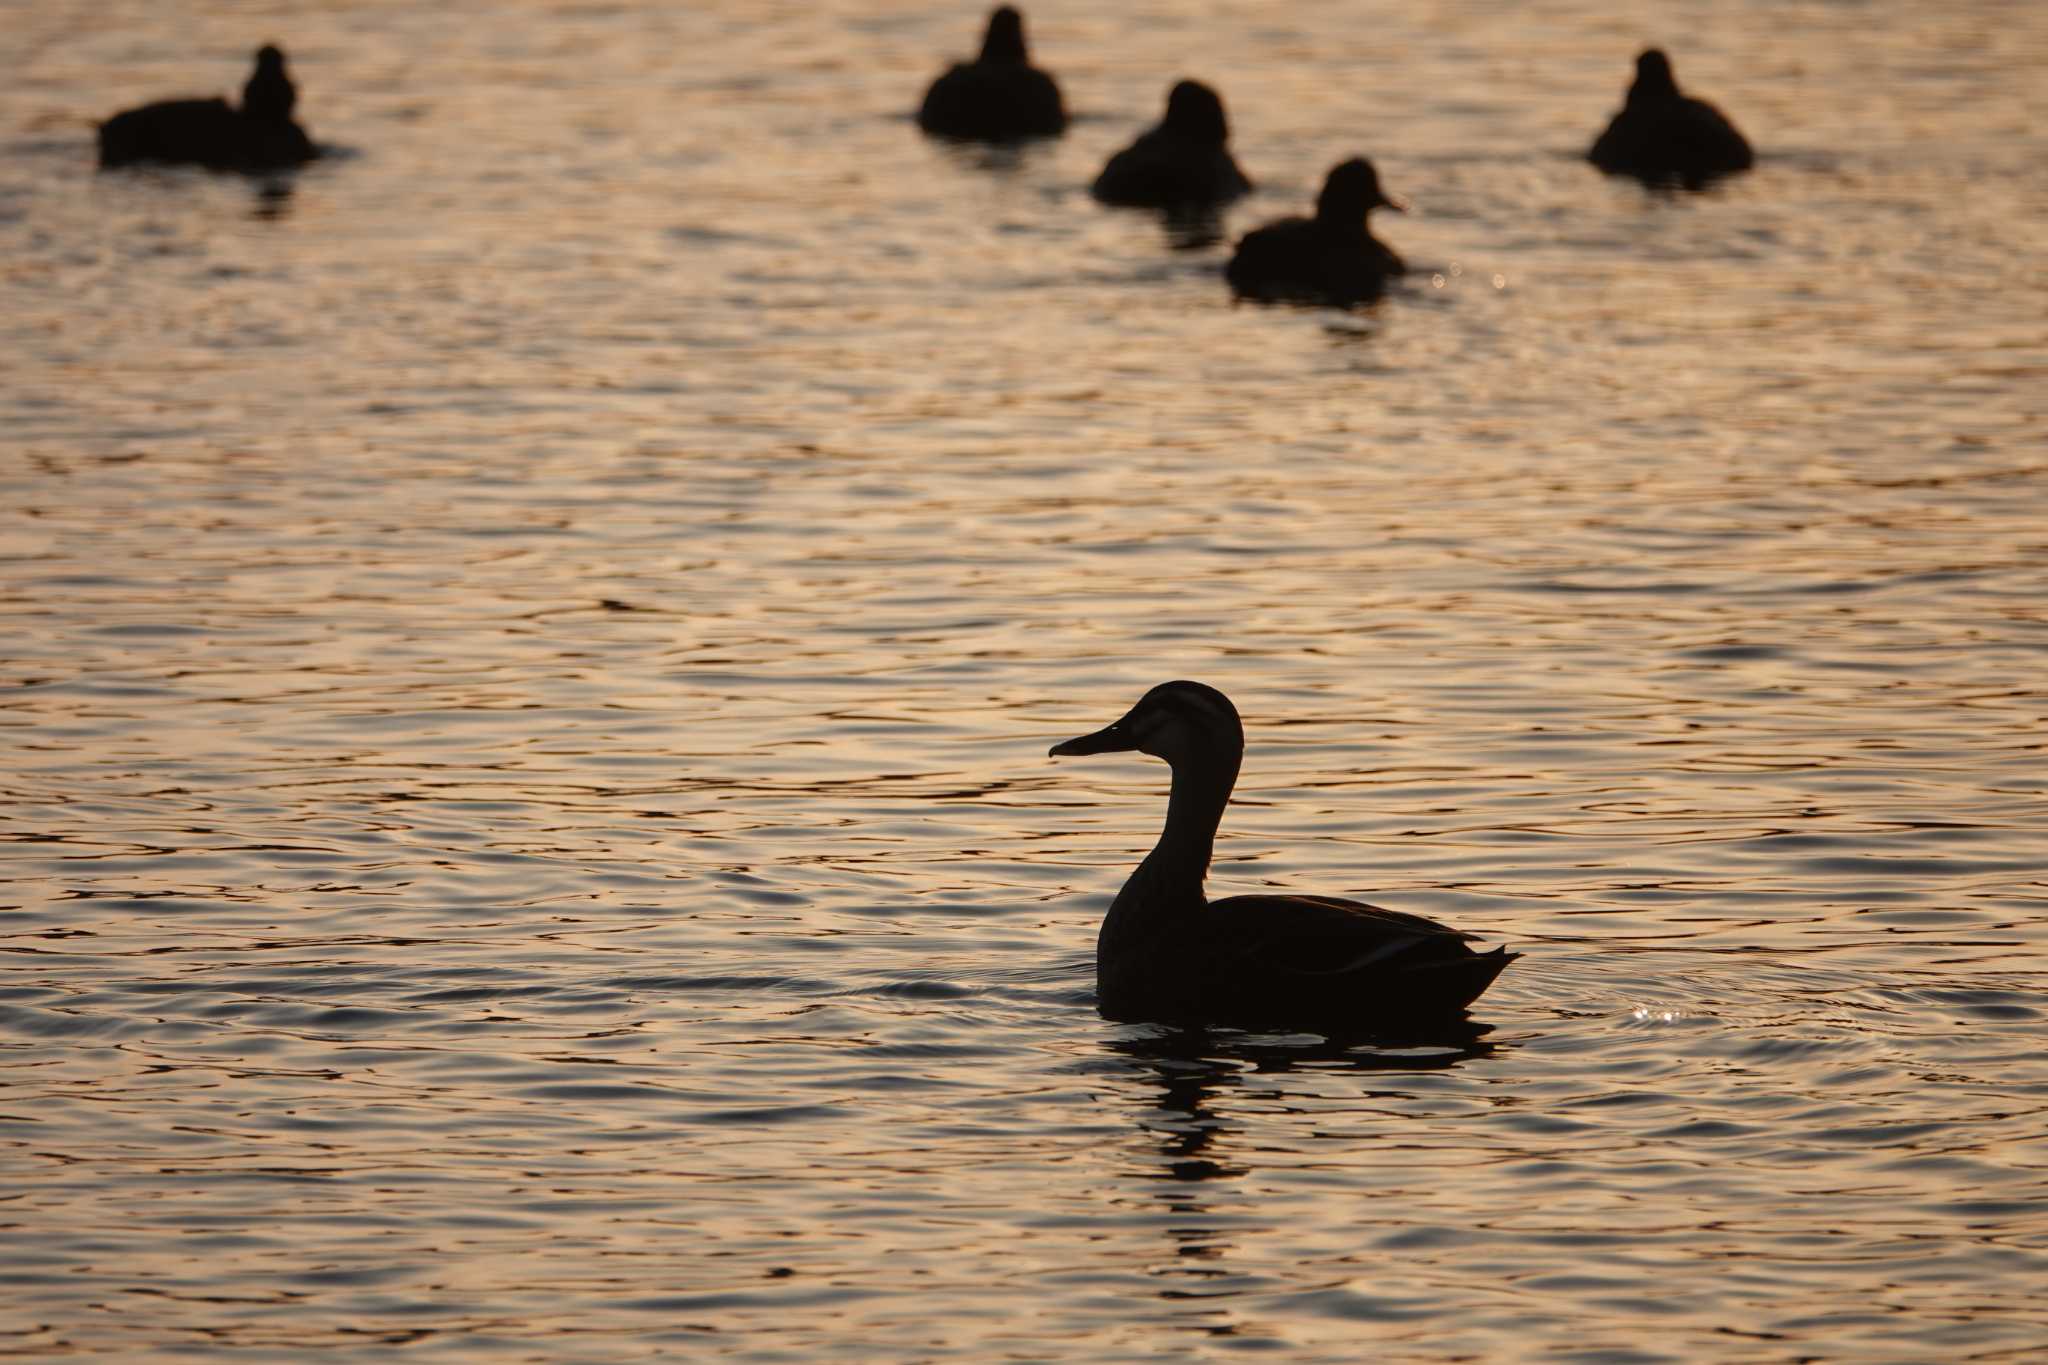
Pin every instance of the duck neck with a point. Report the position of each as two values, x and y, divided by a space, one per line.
1201 789
1345 223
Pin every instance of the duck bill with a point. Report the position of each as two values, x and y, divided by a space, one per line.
1111 739
1394 202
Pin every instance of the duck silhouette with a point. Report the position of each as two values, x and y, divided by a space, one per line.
999 96
1331 258
1662 136
1168 954
260 135
1183 161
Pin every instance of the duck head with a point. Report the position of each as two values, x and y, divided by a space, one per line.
1654 81
1004 42
1189 724
1195 112
1351 191
269 93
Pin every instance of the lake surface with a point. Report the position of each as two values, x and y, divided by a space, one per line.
529 649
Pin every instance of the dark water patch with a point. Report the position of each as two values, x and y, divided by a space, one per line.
1987 1003
463 995
931 1051
1734 653
1703 1129
151 630
599 1092
784 1299
917 990
729 984
345 1020
771 1115
67 1023
885 1082
1876 1135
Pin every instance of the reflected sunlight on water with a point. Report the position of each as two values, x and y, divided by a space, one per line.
530 650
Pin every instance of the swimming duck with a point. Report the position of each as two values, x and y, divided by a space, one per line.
1182 161
260 135
1168 954
997 97
1330 258
1661 135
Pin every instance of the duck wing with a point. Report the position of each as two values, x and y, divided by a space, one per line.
207 131
1342 961
1269 262
1161 170
1687 140
1705 143
1297 261
993 102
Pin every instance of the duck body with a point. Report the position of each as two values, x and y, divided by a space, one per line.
1662 136
258 135
1184 161
997 97
1168 954
1332 258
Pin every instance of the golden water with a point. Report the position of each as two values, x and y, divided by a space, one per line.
528 661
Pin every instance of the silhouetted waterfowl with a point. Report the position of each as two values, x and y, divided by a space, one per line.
260 135
1168 954
999 95
1661 135
1183 161
1330 258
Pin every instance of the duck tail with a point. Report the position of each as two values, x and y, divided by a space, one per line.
1455 984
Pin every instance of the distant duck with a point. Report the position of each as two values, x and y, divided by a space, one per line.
1330 258
997 97
1661 136
1168 954
1183 161
258 136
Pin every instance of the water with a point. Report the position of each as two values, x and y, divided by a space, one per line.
529 653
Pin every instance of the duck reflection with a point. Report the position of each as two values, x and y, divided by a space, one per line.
1199 1146
1194 1067
1191 227
997 158
1191 1072
273 199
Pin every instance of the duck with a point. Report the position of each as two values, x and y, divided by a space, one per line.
1167 954
259 135
1183 161
1662 136
999 96
1330 258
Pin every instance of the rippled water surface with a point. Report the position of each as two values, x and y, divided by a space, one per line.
529 651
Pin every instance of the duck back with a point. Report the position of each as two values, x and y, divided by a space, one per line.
993 103
1300 260
205 132
1160 170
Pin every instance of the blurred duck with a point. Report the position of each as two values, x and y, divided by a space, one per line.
997 97
1184 161
1330 258
258 136
1661 136
1168 954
